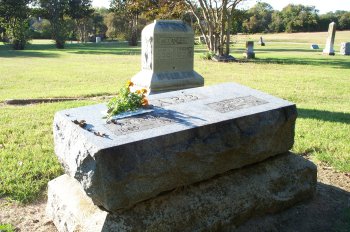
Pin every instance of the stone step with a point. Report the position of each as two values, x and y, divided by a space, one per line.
190 136
219 204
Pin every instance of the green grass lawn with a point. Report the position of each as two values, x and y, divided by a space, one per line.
318 84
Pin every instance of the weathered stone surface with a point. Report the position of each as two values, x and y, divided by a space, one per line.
191 135
345 48
249 53
167 57
329 49
219 204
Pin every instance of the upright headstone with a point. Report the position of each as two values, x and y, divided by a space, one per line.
249 53
314 46
98 39
167 57
345 48
329 50
261 42
201 39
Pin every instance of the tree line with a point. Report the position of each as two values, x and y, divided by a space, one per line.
63 20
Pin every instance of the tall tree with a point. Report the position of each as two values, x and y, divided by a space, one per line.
215 28
299 18
259 19
14 17
81 12
130 10
56 11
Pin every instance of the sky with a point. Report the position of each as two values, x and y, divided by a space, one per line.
323 6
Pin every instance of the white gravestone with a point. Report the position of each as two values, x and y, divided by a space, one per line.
167 57
261 42
98 39
249 53
345 48
329 50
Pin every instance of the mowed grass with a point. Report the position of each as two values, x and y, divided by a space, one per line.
318 84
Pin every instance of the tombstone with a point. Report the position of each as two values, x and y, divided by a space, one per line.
261 41
249 53
98 39
329 50
201 39
167 57
314 46
203 157
345 48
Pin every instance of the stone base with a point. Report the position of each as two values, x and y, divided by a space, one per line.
167 81
249 55
329 52
219 204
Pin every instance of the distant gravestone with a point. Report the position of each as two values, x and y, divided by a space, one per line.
202 39
329 50
167 57
249 53
345 48
261 41
98 39
315 46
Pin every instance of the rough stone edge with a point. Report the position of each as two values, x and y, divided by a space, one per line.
291 179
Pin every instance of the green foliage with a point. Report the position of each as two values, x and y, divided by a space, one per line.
126 101
55 11
81 12
207 55
7 228
14 19
297 18
259 19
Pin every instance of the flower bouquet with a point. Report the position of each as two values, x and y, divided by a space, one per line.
128 103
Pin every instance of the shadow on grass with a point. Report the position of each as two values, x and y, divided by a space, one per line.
336 63
288 50
40 50
327 116
7 52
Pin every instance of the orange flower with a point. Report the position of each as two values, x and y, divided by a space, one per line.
129 84
138 91
145 102
144 91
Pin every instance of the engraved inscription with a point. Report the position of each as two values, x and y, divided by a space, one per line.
174 53
174 40
174 75
182 98
140 122
236 104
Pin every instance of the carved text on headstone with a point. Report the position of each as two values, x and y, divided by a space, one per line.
236 104
181 98
140 122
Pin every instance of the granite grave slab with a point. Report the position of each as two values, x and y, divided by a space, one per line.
191 135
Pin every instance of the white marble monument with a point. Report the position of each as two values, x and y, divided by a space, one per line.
98 39
167 57
345 48
329 50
